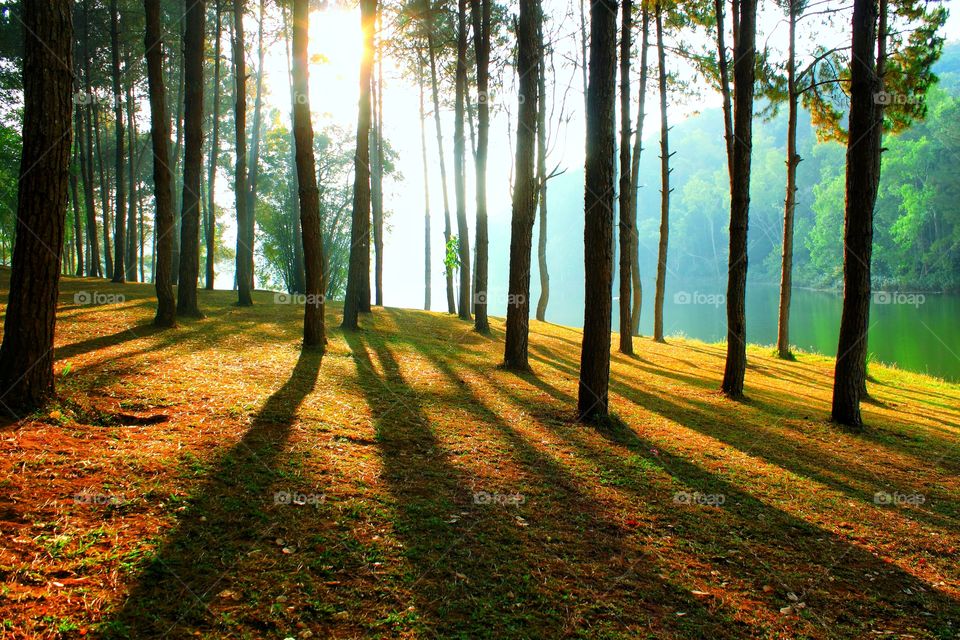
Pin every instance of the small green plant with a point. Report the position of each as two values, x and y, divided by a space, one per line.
452 258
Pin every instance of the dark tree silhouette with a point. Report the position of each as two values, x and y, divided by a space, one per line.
480 12
661 283
592 398
26 355
210 224
119 217
626 219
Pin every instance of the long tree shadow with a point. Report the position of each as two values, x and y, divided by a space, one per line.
227 518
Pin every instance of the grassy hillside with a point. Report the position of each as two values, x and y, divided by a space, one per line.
212 481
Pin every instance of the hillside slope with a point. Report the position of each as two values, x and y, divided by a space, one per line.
212 481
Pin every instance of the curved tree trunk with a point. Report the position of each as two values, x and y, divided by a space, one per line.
515 354
637 301
26 355
664 186
193 35
790 201
120 201
626 193
162 188
459 161
244 275
743 79
592 395
314 329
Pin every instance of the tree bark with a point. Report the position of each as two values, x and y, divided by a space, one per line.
86 153
790 201
210 224
459 161
175 162
244 275
187 303
26 355
426 192
626 218
104 196
664 186
119 217
447 231
162 187
130 256
253 164
480 12
592 397
515 355
637 298
542 266
77 224
863 176
725 83
377 177
314 330
359 269
743 80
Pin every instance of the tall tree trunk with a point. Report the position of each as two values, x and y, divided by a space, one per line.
459 160
515 355
187 304
743 79
86 172
626 207
480 12
426 192
210 224
87 153
359 269
314 334
26 355
120 201
592 397
447 231
130 257
253 164
162 188
542 180
725 82
863 177
77 224
244 276
637 301
104 196
664 186
377 177
175 162
790 201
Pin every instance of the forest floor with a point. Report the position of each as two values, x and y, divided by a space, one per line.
213 481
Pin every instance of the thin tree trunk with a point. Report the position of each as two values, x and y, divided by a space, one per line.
459 161
130 258
637 301
119 218
177 176
26 355
377 177
87 153
743 78
426 192
481 41
77 224
210 225
515 353
664 186
725 84
187 303
86 172
592 397
359 268
863 176
542 180
447 231
790 201
244 277
253 164
626 207
104 197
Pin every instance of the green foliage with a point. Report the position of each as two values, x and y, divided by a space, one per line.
451 259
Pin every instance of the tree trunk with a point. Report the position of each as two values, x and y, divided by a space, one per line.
592 397
377 177
626 207
725 83
542 180
664 186
77 224
86 153
253 164
26 355
637 300
175 162
459 161
130 257
790 201
187 304
244 275
104 197
515 354
743 79
426 192
863 176
119 217
314 333
359 269
447 231
162 188
480 12
210 224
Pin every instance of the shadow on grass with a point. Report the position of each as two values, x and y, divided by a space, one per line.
226 519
